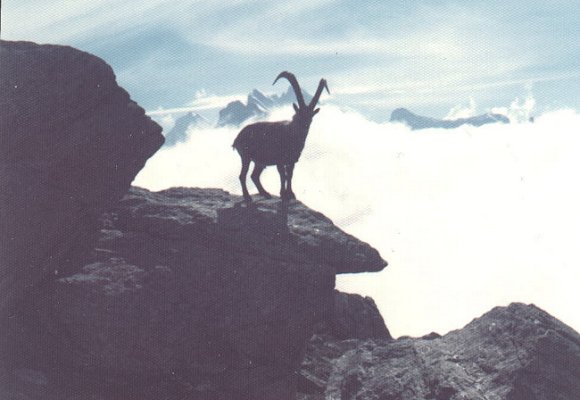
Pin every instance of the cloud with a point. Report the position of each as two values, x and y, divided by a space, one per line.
373 54
64 21
462 111
208 102
468 218
519 110
202 102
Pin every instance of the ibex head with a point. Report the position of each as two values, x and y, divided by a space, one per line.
304 112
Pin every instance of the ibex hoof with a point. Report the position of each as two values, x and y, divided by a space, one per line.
248 198
287 196
266 195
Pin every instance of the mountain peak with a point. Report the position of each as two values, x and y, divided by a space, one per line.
415 121
258 105
179 132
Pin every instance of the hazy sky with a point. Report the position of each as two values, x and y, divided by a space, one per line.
468 218
376 55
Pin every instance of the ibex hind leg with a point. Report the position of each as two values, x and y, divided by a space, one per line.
243 174
282 172
285 172
258 168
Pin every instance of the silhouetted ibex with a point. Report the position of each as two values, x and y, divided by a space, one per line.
277 143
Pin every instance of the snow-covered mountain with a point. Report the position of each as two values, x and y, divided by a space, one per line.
415 121
178 133
257 105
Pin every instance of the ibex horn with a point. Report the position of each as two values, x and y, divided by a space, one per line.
321 85
292 79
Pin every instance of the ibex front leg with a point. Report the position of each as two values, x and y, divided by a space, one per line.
258 168
243 173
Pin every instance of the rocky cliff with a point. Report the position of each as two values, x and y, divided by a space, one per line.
71 143
517 352
195 291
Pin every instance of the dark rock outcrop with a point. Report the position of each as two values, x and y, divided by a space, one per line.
179 132
517 352
415 121
191 285
354 317
71 142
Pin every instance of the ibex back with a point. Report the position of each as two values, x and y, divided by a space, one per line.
277 143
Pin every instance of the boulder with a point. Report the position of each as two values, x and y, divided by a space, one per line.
71 142
517 352
190 290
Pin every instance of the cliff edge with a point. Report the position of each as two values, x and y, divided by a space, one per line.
198 292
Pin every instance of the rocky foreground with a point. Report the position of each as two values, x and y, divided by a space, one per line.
517 352
111 292
194 290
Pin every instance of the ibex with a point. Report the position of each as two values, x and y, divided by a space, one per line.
277 143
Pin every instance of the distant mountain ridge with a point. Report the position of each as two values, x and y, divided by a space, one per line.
257 105
178 133
416 122
234 114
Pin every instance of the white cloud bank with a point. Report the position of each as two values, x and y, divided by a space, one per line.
468 218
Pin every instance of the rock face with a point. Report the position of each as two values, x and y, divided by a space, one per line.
517 352
192 285
354 317
415 121
71 143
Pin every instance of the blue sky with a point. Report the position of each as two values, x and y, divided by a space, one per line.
428 56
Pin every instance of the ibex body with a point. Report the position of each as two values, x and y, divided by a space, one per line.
277 143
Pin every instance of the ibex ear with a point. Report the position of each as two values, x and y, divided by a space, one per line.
295 107
315 112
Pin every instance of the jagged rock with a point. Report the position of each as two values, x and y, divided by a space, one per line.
72 142
179 132
237 112
517 352
191 286
354 317
415 121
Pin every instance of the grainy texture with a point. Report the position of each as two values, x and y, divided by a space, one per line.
193 285
353 317
71 142
517 352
